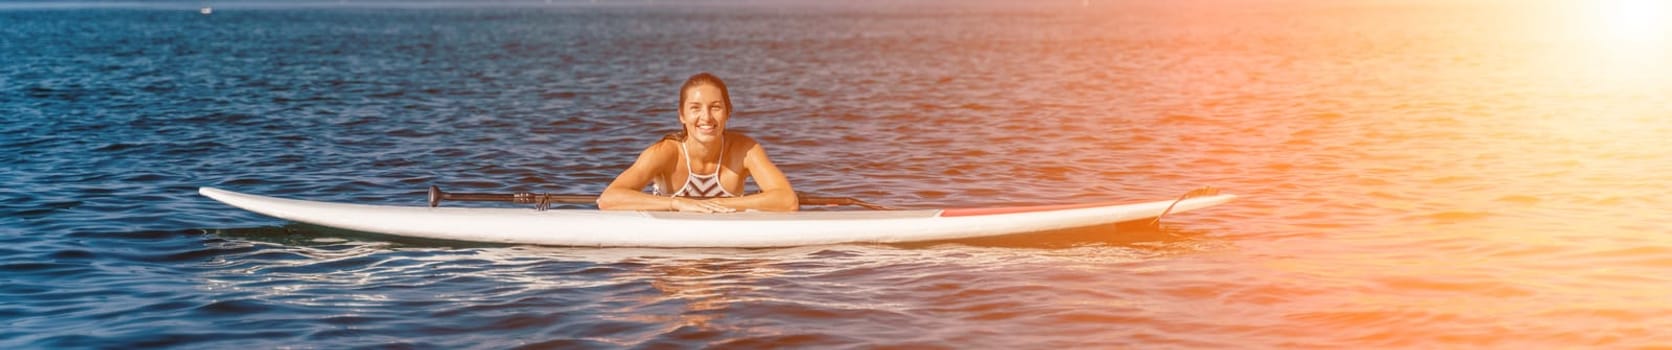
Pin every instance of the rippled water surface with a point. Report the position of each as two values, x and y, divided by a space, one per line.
1413 173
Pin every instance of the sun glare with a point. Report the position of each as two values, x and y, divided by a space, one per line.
1622 44
1637 21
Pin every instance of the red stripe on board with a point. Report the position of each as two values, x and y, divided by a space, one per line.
1012 210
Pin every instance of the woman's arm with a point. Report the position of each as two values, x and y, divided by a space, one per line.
627 191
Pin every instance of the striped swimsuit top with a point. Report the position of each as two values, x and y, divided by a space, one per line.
700 185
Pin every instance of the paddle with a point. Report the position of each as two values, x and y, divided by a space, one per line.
1204 191
542 201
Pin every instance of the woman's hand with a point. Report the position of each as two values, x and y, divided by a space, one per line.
699 206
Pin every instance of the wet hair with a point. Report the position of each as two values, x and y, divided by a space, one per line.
694 81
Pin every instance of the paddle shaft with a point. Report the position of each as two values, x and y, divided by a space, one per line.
545 200
1200 192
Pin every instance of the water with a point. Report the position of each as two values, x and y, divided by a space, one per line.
1413 174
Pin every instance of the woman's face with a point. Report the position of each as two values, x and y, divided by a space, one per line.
704 113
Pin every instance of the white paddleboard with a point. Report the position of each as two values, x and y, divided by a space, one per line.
586 227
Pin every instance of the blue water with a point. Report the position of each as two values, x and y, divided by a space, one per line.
1411 175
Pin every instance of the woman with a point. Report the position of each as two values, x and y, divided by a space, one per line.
702 160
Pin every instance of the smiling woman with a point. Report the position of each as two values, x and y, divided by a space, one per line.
702 167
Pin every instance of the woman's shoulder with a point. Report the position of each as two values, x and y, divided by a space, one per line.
741 140
663 148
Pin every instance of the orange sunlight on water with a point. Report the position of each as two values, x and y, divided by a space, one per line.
1426 163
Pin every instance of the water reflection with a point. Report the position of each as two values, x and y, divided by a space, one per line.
704 289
